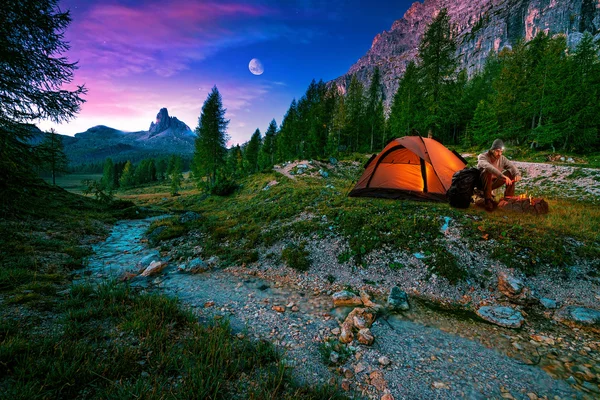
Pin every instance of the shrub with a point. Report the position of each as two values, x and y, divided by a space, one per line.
296 257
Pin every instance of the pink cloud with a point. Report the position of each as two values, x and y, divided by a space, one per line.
121 41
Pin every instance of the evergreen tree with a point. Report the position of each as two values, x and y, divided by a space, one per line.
374 111
235 162
355 106
406 110
437 52
210 150
251 153
336 141
176 175
161 169
108 175
287 148
483 129
33 77
127 178
52 155
267 151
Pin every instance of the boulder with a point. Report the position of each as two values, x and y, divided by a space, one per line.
579 317
154 268
189 217
346 298
196 266
365 337
397 300
548 303
503 316
509 285
147 260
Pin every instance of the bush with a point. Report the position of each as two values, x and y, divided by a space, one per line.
224 188
296 257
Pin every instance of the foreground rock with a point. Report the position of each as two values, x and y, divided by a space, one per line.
502 316
579 317
154 268
346 298
398 300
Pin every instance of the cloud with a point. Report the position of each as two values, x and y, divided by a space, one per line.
123 40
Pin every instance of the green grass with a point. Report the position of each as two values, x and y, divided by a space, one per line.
303 209
108 340
111 342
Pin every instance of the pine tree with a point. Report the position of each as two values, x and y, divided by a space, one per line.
108 175
127 178
33 79
286 146
374 110
355 106
339 127
483 129
437 52
52 155
406 111
176 176
209 156
251 152
267 150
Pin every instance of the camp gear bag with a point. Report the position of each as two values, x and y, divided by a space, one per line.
463 184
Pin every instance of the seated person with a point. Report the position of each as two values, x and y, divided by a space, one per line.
496 170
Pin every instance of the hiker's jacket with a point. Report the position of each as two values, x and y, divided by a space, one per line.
487 163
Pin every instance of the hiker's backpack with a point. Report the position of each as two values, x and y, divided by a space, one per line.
463 184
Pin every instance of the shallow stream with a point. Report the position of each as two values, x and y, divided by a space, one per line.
432 353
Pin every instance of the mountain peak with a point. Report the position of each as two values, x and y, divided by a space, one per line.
164 122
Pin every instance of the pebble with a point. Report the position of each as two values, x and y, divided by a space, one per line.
383 360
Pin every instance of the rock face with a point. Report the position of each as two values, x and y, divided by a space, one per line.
164 122
167 135
482 25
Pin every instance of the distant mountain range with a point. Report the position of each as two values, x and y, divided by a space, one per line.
167 135
483 26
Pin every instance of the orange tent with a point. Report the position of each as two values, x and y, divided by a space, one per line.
411 167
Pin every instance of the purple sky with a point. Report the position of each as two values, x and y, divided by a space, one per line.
136 57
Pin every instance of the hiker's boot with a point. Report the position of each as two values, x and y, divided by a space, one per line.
489 205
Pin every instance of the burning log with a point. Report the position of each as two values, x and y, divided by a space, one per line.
525 204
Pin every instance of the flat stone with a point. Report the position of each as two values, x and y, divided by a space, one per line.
154 268
502 316
346 298
509 285
575 316
365 337
548 303
397 300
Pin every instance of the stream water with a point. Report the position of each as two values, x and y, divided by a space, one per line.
433 354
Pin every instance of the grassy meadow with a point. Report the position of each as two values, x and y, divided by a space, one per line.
59 340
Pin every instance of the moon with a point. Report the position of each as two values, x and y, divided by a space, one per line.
256 67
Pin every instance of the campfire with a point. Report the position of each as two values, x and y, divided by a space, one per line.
524 203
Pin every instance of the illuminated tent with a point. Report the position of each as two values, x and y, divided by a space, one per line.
410 167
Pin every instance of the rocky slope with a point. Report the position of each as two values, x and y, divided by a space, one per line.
483 26
167 135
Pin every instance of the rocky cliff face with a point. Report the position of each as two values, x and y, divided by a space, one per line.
164 122
483 26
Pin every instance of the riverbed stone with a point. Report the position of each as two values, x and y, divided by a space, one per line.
189 216
346 298
196 266
154 268
365 337
145 261
575 316
548 303
397 300
503 316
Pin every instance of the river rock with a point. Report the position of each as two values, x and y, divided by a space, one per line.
548 303
509 285
502 316
153 236
147 260
365 336
195 266
575 316
397 300
189 217
377 380
346 298
154 268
